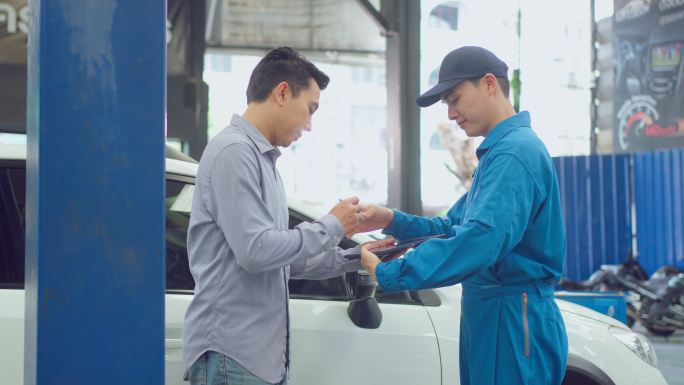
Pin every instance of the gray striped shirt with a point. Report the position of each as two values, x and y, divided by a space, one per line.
242 254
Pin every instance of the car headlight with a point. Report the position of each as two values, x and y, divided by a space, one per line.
637 343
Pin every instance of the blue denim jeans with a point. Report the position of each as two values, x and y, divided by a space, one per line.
214 368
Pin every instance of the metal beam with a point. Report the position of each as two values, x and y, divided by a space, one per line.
593 106
262 50
211 19
198 23
403 114
95 193
199 137
378 18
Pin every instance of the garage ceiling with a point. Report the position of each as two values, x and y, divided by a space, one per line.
310 25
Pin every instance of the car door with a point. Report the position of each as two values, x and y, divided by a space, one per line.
327 348
179 282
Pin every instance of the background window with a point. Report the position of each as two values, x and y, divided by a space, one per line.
345 153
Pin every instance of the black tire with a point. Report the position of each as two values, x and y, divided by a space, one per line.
577 378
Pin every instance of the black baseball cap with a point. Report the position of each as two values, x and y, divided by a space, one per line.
463 63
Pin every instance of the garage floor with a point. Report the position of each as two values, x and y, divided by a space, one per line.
670 352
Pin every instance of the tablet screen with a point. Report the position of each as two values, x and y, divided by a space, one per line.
402 245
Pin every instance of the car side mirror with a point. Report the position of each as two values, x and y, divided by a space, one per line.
364 310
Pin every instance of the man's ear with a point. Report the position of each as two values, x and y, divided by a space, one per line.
280 92
490 83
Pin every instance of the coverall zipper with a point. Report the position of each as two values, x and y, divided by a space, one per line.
525 326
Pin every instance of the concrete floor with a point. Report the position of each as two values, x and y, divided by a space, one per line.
670 353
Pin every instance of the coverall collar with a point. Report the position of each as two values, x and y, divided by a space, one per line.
521 119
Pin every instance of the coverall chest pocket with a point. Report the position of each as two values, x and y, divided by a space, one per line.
472 193
477 176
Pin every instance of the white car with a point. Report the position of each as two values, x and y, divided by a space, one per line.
339 333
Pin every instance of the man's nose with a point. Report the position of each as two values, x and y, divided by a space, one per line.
452 114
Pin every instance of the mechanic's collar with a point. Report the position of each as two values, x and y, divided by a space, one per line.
259 139
521 119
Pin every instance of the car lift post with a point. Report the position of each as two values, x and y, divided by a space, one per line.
95 193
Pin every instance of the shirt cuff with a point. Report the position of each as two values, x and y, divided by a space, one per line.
352 264
395 226
388 275
334 228
354 250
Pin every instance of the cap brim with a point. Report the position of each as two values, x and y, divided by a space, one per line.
435 93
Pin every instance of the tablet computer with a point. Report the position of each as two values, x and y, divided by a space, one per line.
402 245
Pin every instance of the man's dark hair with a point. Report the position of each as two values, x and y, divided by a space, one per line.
504 83
283 64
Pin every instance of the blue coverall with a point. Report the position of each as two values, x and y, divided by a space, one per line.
506 245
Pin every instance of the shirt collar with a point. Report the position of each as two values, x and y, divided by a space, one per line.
259 139
521 119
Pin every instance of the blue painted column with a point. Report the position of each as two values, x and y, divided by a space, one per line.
95 191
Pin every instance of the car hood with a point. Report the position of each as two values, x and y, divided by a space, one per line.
569 307
452 296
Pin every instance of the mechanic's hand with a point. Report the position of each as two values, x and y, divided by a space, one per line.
374 245
374 217
370 261
347 212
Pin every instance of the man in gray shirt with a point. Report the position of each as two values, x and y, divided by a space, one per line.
240 250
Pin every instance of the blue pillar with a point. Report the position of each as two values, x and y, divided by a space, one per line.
95 191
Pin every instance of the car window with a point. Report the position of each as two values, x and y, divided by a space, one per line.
12 204
179 191
425 297
328 289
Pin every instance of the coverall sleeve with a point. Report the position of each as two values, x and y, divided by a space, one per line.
405 226
235 201
493 224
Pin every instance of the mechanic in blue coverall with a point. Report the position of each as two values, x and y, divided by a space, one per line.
506 239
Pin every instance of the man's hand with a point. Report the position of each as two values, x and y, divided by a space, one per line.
381 244
374 217
370 261
347 212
